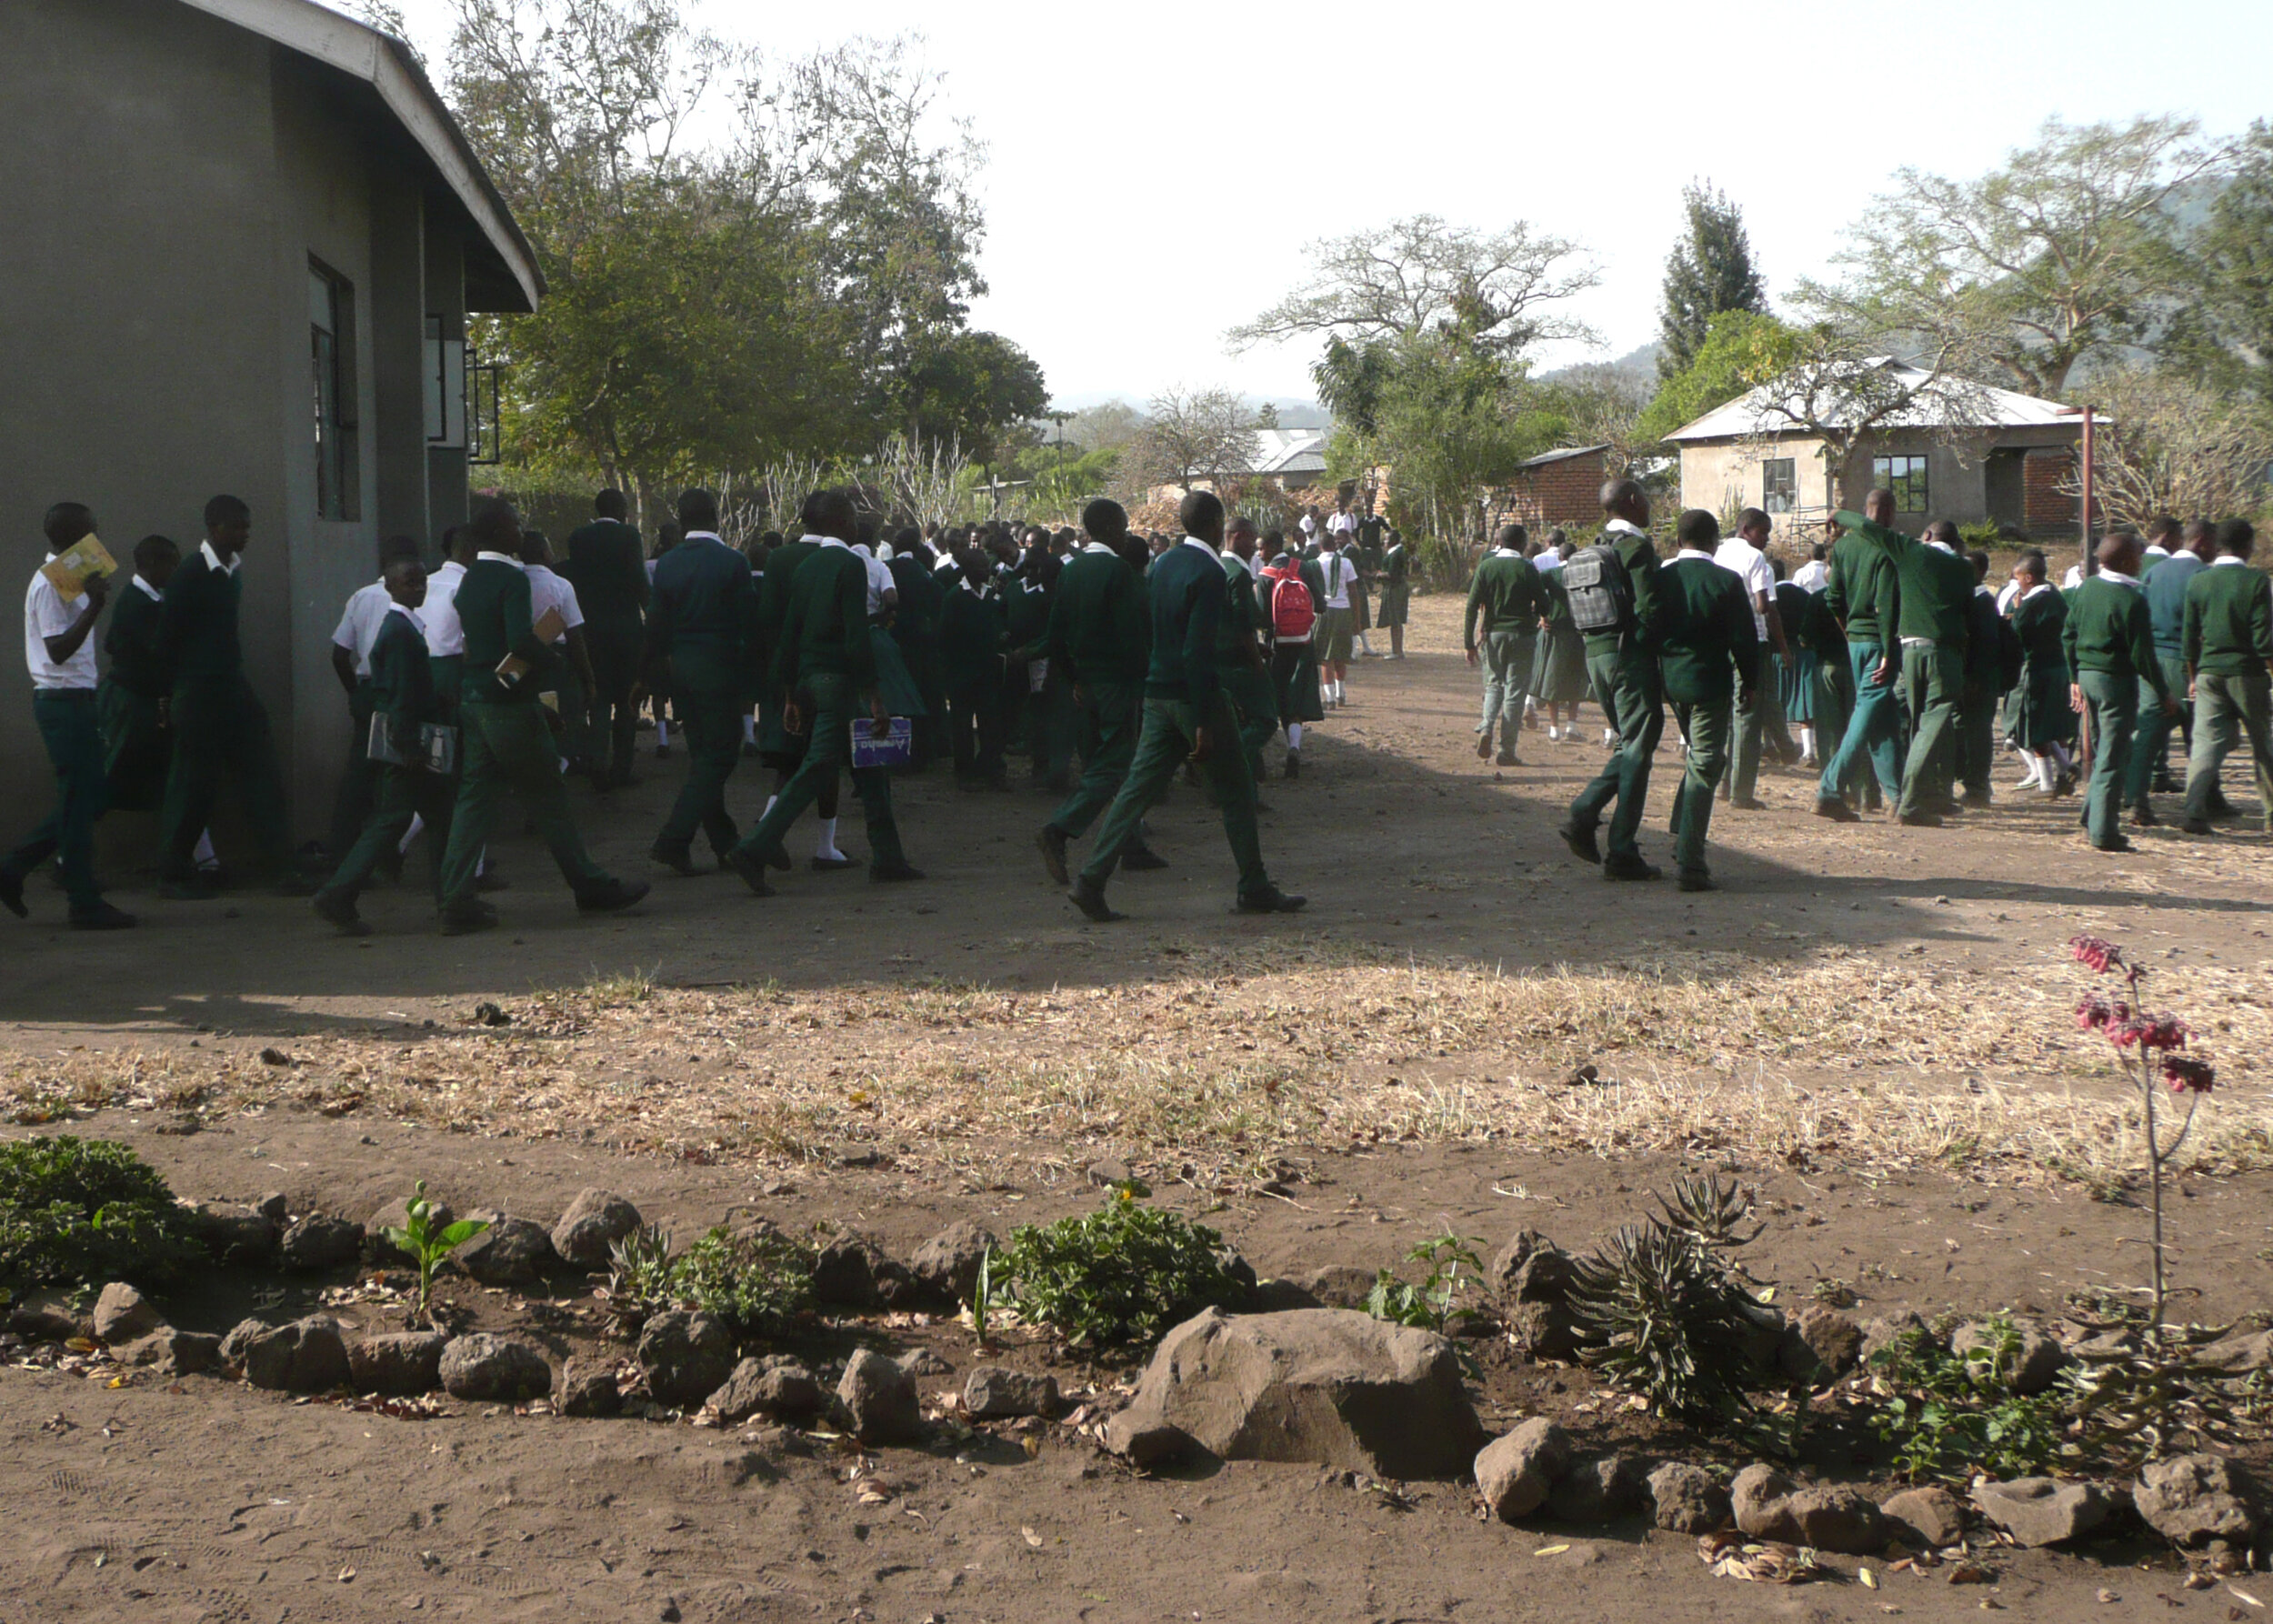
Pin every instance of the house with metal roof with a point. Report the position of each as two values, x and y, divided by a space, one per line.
244 239
1957 450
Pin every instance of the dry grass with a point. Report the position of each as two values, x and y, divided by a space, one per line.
1837 1057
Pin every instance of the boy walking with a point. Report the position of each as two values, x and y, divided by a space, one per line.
2110 639
1501 626
605 565
2228 648
1622 665
1710 656
699 613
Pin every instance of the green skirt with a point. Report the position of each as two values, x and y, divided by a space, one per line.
2046 717
1295 680
1558 667
894 681
1799 682
1396 601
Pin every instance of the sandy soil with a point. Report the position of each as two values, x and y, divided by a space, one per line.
221 1503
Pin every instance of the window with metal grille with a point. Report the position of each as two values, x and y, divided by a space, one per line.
332 374
1779 484
1906 477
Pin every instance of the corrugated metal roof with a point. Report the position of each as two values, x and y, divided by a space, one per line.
1565 455
1288 451
1754 413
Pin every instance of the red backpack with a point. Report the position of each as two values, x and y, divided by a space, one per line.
1293 615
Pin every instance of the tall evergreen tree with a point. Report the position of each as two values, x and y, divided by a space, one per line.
1710 271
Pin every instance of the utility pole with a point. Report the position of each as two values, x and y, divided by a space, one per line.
2091 562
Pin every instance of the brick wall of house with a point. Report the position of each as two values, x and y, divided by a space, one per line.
1565 492
2049 501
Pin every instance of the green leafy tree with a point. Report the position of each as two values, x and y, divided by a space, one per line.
1741 350
1709 272
972 388
2223 332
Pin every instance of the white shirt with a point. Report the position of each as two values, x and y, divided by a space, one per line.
213 559
1193 541
2005 595
2119 578
2219 562
408 612
1622 527
1547 562
1341 575
2158 551
2073 578
1813 575
359 624
549 591
879 580
1098 546
1750 566
445 638
47 615
1696 553
1308 525
1341 524
2041 587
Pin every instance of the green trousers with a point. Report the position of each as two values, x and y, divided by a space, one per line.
75 749
1111 717
1874 722
402 793
2150 743
2223 706
835 702
1754 730
612 721
359 780
508 749
1934 673
1628 687
1707 725
1976 740
708 702
1256 702
135 748
2111 710
1171 728
1506 654
1835 704
221 726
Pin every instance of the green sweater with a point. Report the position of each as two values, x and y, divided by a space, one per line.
699 612
2108 630
493 607
1507 592
825 629
605 567
2040 621
2165 583
970 639
1640 559
1098 628
1935 587
401 683
1188 595
1242 619
2228 620
197 638
132 643
1864 595
1708 642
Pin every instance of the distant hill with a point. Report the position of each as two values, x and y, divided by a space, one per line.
1641 364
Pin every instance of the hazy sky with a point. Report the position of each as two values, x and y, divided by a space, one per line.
1155 169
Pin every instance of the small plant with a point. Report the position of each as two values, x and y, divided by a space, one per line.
1435 1302
1118 1276
1948 1415
83 1212
427 1243
982 1297
759 1282
2140 1037
639 1278
1660 1313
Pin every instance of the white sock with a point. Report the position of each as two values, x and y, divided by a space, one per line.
205 856
1806 742
481 864
827 847
1293 735
769 804
418 822
749 730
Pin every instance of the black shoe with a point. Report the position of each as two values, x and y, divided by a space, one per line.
2220 807
1052 841
678 859
12 894
1507 758
663 752
751 870
1261 809
1696 879
887 874
2143 818
102 916
1294 766
2166 784
611 896
465 921
2119 842
1630 868
1271 900
1143 860
333 909
187 891
2198 825
778 857
2064 785
831 865
1582 843
1836 809
1484 746
1976 803
1918 820
489 880
1090 900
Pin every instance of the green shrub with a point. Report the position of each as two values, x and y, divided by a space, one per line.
1435 1302
1121 1275
1949 1415
758 1283
83 1212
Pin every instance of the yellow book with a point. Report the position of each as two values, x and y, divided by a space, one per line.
511 669
69 571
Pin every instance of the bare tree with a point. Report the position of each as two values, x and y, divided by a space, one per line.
2171 446
928 480
1417 275
1189 434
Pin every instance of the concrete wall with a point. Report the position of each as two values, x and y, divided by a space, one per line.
1959 472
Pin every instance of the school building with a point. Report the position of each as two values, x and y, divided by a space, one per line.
244 240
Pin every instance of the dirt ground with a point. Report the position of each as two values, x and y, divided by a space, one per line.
1868 1026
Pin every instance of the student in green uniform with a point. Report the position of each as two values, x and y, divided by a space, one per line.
605 567
698 616
59 651
1186 713
403 697
1286 593
1865 597
2228 643
1710 654
1622 667
2109 640
1500 628
130 702
825 660
1937 591
2044 723
2165 585
358 628
505 745
1983 690
971 630
916 628
1240 660
219 723
1100 636
1559 670
1396 593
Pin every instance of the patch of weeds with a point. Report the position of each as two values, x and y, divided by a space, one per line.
1435 1302
85 1212
427 1243
622 987
1834 1292
1947 1416
1119 1276
759 1283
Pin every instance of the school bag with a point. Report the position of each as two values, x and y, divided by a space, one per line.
1293 614
1600 590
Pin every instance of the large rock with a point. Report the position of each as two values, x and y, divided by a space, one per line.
1320 1385
1532 1277
2190 1499
1145 1441
687 1356
776 1386
1840 1520
2236 1356
396 1364
1688 1499
587 1393
945 1266
512 1251
122 1314
854 1272
46 1315
1933 1518
308 1356
595 1221
233 1232
1834 1341
2032 1367
1337 1284
879 1400
1515 1472
1599 1489
1760 1500
317 1240
2041 1511
495 1370
995 1393
168 1352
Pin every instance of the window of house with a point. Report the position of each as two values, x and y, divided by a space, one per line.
331 366
1779 484
1905 477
